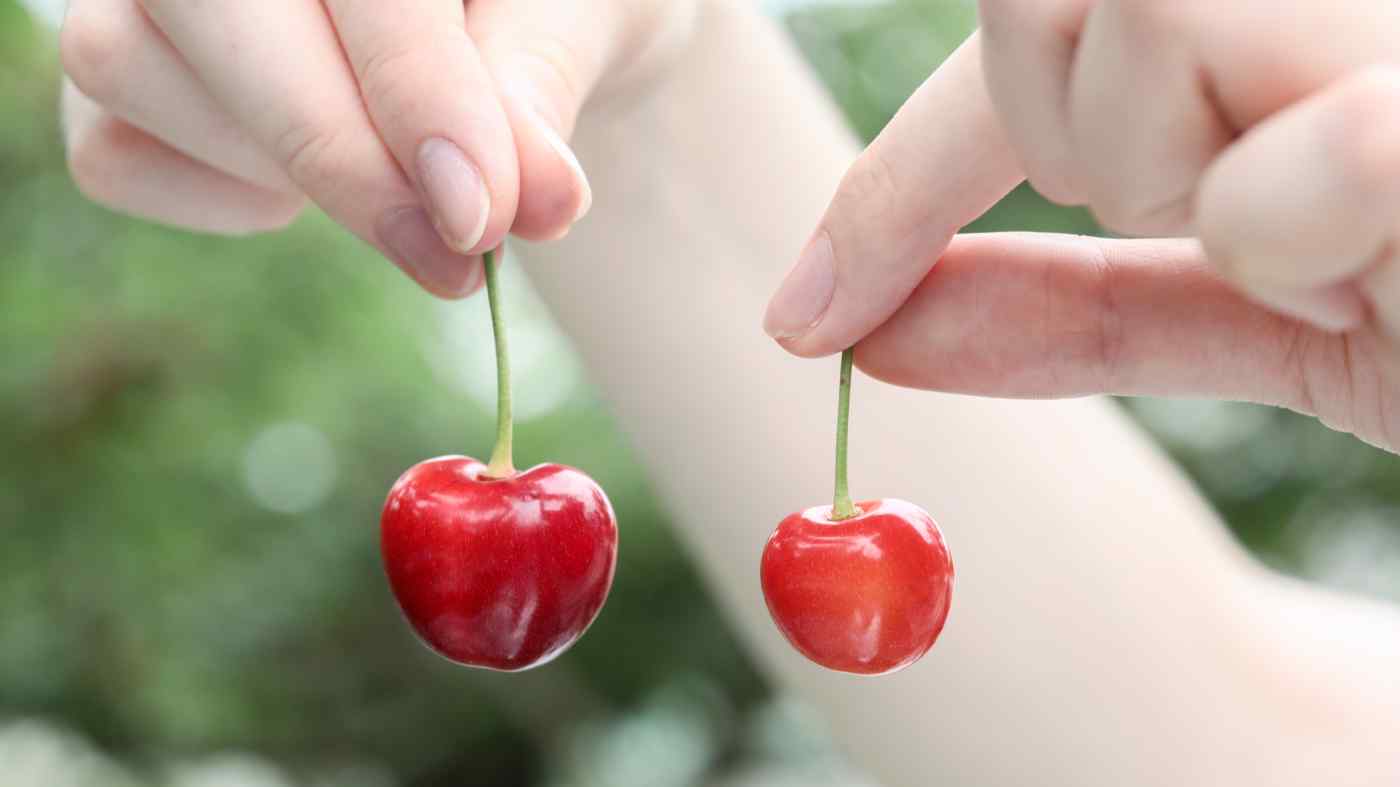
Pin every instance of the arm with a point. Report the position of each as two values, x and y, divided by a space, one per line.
1105 628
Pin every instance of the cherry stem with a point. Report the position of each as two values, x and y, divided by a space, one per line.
502 464
842 507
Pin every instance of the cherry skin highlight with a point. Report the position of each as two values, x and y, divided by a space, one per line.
501 573
866 595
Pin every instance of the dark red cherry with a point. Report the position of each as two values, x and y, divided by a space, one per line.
502 573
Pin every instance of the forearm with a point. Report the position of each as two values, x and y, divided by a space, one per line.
1098 598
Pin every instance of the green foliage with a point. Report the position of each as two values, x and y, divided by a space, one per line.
154 596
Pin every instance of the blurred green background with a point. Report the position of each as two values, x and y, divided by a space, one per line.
196 435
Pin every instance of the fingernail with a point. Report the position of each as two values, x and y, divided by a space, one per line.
455 192
805 294
566 154
415 246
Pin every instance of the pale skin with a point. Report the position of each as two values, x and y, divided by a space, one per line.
1266 130
1105 629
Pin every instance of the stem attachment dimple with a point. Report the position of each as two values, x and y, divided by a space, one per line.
502 464
842 507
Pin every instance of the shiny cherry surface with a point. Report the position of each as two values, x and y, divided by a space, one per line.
498 573
867 595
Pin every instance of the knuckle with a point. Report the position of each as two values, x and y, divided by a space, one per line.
867 191
1108 330
1298 369
397 74
308 149
387 75
868 187
91 47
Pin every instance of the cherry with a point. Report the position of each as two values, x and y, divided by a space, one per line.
858 588
504 573
492 567
868 594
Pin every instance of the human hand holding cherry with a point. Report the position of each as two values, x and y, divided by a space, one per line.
429 129
493 567
1272 146
858 588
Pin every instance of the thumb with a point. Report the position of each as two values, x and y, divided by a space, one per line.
940 163
547 59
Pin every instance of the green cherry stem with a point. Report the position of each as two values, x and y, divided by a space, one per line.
502 464
842 507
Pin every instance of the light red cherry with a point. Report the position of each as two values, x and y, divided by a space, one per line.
868 594
858 588
503 573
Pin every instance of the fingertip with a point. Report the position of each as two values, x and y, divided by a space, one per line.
803 349
276 212
472 280
578 186
804 298
412 242
554 189
455 193
498 227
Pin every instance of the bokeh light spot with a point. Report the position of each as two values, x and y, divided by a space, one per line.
289 467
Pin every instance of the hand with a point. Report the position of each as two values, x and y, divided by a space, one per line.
429 128
1270 131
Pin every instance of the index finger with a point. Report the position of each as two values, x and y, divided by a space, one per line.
279 70
435 107
940 163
